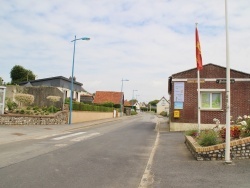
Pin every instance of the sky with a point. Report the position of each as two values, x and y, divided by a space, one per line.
143 41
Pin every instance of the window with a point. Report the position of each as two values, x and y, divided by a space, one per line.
211 100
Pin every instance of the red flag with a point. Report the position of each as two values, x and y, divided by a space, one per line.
198 50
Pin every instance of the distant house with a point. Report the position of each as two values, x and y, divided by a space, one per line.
137 107
127 104
108 96
162 106
62 83
182 88
143 105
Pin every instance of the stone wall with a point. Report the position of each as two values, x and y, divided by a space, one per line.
21 119
239 149
40 94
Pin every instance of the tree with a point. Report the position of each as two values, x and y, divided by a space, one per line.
154 102
1 81
133 101
19 74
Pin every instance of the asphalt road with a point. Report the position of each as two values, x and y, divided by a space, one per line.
127 153
112 155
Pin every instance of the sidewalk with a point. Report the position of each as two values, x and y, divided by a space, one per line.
16 133
174 166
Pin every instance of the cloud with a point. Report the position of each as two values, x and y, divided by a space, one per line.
143 41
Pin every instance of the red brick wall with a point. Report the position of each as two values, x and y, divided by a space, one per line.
240 95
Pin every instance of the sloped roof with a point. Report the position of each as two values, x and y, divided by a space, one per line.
127 103
207 71
108 96
162 99
51 78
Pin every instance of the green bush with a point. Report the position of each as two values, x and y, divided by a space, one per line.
11 104
108 104
164 113
52 109
192 132
27 112
208 138
133 113
22 111
91 107
35 108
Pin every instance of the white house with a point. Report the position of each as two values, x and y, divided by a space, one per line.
137 107
162 106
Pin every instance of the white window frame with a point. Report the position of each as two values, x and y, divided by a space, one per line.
211 92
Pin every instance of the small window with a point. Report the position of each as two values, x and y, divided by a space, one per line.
211 100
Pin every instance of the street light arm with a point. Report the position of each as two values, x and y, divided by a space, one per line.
83 38
72 78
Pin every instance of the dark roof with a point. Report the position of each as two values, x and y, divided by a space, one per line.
108 96
50 78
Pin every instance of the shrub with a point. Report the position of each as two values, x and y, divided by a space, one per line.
133 113
164 113
108 104
53 98
192 132
235 132
52 109
11 105
245 130
24 98
208 138
27 112
35 108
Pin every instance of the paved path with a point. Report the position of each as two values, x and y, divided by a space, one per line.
174 166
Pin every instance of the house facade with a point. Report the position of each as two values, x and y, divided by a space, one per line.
62 83
108 96
182 88
137 107
87 98
162 106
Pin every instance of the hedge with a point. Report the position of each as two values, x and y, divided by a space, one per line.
89 107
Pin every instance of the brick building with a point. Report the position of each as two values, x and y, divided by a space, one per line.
182 88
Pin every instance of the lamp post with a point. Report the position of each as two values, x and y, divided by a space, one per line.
122 95
72 77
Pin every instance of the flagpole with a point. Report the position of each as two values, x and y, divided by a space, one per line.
199 107
198 90
227 149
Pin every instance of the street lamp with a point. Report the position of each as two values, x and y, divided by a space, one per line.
122 95
72 76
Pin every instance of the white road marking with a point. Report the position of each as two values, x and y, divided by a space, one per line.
46 136
67 136
147 178
61 145
84 137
